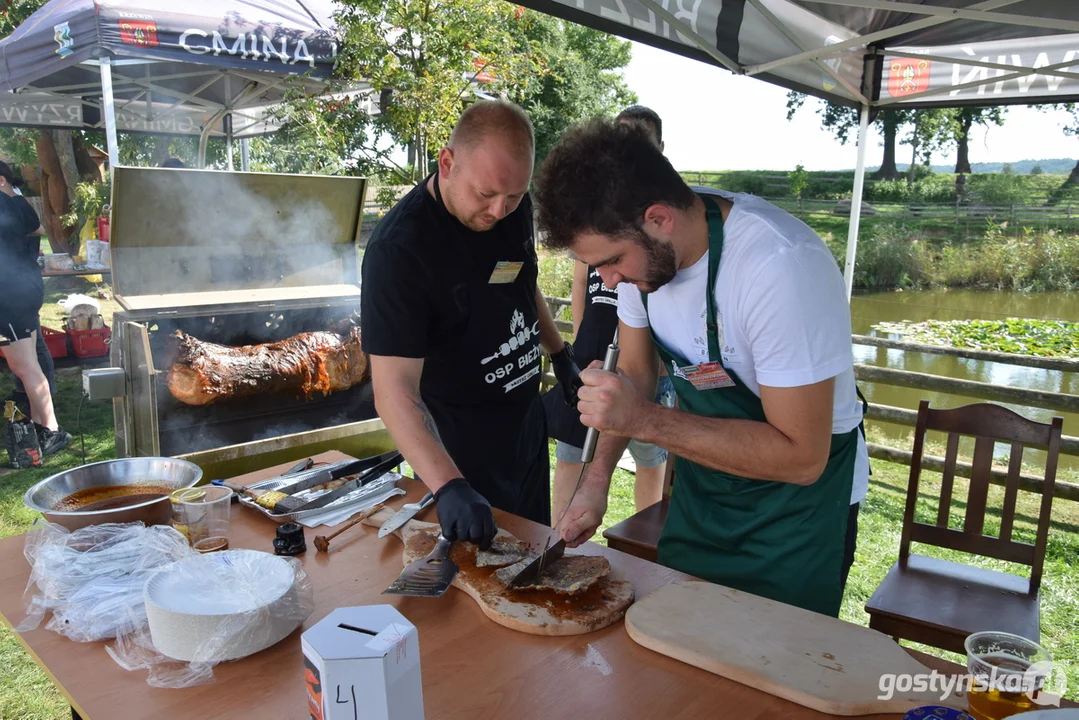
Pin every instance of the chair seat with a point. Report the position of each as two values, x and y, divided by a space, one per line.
948 601
639 534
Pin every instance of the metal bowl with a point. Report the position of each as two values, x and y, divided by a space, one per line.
164 472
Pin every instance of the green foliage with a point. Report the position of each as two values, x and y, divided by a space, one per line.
87 203
427 62
14 12
1007 169
927 189
798 181
891 257
555 274
1003 189
1045 338
1037 170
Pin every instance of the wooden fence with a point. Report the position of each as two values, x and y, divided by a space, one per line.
1061 402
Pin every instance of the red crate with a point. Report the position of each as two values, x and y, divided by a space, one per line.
55 341
90 343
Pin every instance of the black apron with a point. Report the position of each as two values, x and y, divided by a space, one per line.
593 336
482 386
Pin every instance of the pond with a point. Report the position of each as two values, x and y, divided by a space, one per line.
916 306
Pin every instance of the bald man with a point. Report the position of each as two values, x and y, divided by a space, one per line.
454 323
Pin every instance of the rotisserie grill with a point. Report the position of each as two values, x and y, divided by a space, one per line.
239 328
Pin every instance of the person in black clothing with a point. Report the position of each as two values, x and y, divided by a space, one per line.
22 293
454 324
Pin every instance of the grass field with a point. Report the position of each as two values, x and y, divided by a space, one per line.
26 693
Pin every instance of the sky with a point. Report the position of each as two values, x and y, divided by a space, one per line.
714 120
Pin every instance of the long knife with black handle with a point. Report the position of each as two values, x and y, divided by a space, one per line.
550 553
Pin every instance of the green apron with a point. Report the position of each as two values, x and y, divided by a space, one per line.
768 538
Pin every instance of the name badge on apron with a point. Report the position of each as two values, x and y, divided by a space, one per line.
705 376
505 272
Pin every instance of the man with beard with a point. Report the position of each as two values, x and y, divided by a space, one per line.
453 322
746 308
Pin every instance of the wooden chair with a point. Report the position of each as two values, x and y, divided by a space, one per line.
639 534
939 602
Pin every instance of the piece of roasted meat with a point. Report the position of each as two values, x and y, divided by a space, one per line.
305 364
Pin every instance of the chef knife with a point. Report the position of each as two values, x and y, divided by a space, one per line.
406 513
532 571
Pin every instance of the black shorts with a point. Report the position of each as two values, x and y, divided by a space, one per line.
18 323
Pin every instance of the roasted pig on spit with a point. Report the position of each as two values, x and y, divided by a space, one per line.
305 364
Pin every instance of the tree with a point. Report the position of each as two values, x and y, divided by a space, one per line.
930 132
582 77
842 121
964 120
426 64
1037 170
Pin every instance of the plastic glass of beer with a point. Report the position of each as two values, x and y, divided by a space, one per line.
1007 672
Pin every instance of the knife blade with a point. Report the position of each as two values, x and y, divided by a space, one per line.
383 464
534 569
406 513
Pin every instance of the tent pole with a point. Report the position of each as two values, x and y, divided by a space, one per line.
110 111
228 140
856 201
245 155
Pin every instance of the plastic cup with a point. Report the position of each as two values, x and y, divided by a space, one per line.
202 514
1007 672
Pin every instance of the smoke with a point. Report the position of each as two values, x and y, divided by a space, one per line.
191 231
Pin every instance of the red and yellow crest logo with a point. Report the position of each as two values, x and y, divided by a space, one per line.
138 32
908 76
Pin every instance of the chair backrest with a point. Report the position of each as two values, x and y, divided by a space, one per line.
987 423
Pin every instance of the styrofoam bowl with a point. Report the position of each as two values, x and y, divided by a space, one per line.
221 606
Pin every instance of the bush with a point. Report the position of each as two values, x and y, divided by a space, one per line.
892 256
1003 189
555 275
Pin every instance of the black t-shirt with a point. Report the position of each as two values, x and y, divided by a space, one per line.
599 321
20 275
413 301
18 249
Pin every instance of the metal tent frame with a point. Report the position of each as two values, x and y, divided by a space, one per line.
920 53
202 68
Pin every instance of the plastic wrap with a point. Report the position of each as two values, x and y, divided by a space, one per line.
214 608
92 579
172 611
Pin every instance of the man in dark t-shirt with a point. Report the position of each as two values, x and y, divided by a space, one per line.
454 323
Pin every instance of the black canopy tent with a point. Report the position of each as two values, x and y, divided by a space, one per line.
864 53
200 67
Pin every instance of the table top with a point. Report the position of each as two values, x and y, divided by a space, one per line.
471 667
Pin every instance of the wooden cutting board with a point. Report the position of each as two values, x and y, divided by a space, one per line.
814 660
536 612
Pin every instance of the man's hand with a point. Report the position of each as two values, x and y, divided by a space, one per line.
464 514
583 517
610 402
568 374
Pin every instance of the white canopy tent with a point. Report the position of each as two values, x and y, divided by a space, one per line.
869 54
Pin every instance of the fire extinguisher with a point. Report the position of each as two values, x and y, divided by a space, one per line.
103 224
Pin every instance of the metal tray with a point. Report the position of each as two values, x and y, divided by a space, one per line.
379 486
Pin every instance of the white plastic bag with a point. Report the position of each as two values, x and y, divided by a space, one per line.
73 301
91 578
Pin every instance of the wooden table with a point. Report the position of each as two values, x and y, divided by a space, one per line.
472 668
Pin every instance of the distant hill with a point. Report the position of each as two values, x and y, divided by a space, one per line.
1055 166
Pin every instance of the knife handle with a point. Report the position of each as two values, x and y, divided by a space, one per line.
610 364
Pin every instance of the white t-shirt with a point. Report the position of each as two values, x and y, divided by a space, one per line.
783 315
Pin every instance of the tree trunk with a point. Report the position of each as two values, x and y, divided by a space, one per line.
888 170
1073 179
913 154
962 142
161 150
55 193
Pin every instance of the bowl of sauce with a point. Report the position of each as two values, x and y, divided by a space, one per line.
113 491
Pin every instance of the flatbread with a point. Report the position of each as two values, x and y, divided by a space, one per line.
570 575
502 553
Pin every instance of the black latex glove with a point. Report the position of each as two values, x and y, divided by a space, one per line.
464 514
568 374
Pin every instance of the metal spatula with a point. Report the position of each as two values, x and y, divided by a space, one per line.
430 576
